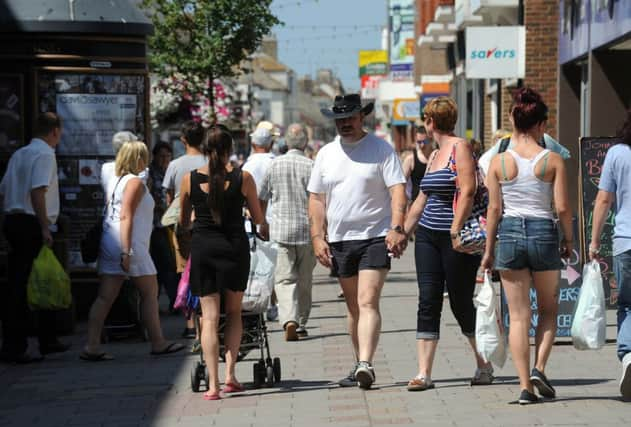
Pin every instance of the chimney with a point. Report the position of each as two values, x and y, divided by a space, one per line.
269 46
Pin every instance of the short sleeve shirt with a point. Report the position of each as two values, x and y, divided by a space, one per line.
356 180
30 167
616 178
178 168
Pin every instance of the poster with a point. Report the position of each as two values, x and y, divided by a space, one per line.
373 63
11 116
402 42
90 121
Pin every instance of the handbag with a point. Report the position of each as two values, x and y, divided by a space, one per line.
172 215
92 241
473 233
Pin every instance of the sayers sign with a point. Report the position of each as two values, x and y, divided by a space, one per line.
495 52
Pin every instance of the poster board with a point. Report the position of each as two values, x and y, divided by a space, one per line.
11 113
93 106
591 157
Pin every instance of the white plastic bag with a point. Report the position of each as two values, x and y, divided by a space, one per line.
261 279
489 332
589 326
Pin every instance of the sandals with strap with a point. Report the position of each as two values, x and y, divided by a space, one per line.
420 384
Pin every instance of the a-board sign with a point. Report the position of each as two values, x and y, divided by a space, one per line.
591 158
569 286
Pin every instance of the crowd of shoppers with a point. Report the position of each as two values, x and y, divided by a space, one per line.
349 211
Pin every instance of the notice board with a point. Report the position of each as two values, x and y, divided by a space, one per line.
592 155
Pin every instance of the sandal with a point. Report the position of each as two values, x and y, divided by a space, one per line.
212 396
420 384
171 348
233 388
95 357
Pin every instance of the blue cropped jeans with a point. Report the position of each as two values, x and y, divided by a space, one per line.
622 271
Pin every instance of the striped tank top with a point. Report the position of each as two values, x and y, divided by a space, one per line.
440 187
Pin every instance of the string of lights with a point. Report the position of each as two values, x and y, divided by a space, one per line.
325 37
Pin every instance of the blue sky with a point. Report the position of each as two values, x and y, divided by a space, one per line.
328 34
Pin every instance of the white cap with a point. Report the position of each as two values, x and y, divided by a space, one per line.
262 137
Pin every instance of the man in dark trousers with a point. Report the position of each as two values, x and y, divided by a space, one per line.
30 194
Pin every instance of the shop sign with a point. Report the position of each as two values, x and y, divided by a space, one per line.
402 40
406 109
495 52
373 62
370 86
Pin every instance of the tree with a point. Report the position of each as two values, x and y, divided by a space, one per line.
206 39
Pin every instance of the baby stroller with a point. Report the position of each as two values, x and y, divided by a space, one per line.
267 370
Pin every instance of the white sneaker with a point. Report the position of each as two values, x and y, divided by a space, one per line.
365 375
625 380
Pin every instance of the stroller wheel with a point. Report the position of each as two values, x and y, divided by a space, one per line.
276 367
255 376
206 380
269 376
194 380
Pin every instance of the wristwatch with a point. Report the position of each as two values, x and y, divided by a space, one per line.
128 253
397 228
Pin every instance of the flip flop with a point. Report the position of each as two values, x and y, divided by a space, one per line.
174 347
95 357
233 388
213 396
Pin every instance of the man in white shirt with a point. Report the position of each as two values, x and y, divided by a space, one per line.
257 165
30 195
357 210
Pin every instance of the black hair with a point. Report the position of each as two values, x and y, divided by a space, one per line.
193 133
161 145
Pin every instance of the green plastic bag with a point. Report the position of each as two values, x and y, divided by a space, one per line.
48 284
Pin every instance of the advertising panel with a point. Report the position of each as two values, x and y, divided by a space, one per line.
401 39
373 63
406 109
370 86
495 52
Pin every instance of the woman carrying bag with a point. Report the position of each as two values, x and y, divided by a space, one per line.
522 183
124 252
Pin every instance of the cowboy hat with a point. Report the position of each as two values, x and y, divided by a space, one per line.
346 106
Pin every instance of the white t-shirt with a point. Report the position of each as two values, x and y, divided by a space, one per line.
30 167
356 179
257 165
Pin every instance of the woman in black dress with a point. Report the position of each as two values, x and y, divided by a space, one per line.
220 253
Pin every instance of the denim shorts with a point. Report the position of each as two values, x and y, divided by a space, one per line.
527 243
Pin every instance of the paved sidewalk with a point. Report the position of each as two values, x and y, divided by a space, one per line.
139 390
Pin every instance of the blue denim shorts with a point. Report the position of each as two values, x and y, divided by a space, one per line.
530 243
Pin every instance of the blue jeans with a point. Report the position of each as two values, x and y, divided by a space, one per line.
622 271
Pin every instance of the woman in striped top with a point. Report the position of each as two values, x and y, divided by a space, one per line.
438 252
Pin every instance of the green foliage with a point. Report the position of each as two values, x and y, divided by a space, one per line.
206 38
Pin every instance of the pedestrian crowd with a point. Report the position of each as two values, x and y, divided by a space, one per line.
352 209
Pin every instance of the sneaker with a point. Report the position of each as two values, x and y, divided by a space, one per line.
365 375
483 376
302 332
539 380
350 380
189 333
272 313
196 347
290 331
526 398
625 380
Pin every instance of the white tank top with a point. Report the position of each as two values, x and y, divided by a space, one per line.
527 195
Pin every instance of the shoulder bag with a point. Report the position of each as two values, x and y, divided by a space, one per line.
473 233
92 241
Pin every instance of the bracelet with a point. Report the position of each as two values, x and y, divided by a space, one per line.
129 253
594 251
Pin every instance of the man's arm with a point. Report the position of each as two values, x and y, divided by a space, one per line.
602 205
317 221
38 200
396 238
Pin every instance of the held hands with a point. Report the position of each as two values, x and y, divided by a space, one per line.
396 242
322 251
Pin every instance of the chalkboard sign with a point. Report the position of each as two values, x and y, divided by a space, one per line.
592 157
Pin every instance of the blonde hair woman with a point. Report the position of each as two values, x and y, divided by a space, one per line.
124 252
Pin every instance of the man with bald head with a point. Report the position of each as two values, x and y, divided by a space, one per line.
285 185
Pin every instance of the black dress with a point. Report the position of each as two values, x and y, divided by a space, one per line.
220 252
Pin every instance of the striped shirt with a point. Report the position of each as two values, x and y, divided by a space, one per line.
440 187
285 184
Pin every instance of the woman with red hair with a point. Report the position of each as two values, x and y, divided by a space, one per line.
527 184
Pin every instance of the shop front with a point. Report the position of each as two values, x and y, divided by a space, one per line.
86 61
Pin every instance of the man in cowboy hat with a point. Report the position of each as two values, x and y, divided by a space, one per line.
357 209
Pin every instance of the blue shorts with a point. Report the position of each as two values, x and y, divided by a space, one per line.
527 243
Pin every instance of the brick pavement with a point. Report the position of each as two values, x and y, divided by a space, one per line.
139 390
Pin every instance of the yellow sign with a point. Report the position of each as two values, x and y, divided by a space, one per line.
373 62
406 109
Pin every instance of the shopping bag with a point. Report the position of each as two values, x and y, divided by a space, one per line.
261 278
172 215
589 326
489 332
183 288
48 286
